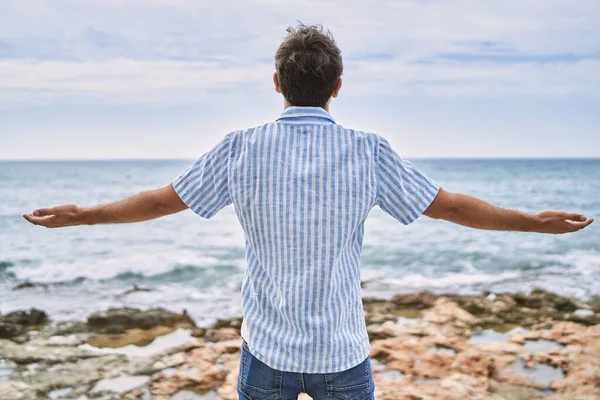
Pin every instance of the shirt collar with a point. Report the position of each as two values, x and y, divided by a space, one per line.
303 115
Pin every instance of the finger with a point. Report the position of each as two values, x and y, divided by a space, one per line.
575 217
578 225
41 221
43 212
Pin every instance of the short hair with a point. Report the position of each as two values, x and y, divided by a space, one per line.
309 65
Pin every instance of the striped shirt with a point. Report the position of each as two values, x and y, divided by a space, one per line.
302 187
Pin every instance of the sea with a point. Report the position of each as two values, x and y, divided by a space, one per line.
186 262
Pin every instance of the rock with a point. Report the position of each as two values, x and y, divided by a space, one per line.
512 392
122 319
77 372
450 317
136 289
29 285
461 386
404 353
419 300
170 361
19 322
218 335
594 303
137 337
474 362
70 340
199 332
16 390
9 330
583 315
228 323
30 353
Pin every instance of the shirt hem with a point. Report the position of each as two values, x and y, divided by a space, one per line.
357 360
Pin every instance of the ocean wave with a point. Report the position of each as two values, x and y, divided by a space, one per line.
130 266
449 281
586 262
4 265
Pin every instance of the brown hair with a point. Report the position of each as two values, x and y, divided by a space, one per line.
309 65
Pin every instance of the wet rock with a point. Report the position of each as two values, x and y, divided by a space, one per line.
18 322
199 332
29 285
218 335
9 330
77 373
123 319
421 300
30 353
136 289
594 304
228 323
584 316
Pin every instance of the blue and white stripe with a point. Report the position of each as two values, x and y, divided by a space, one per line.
302 188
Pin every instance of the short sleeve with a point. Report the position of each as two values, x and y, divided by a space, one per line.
403 191
204 186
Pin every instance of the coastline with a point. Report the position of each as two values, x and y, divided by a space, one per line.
423 346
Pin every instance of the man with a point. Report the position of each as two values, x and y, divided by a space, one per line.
302 187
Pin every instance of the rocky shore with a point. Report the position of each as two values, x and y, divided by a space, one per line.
424 346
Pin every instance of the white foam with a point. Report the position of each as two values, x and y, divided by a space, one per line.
419 281
159 345
147 264
120 384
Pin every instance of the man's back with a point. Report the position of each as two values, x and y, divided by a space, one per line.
302 188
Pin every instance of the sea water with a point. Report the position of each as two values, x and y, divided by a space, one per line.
190 263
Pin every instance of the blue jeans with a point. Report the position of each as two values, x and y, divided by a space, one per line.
258 381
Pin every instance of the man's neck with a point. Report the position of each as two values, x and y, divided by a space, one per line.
287 105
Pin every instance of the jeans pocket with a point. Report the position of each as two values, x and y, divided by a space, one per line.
257 381
353 384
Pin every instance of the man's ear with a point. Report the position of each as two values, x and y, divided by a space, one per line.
276 82
337 88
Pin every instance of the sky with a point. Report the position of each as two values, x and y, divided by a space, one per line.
115 79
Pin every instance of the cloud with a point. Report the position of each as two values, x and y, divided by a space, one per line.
183 51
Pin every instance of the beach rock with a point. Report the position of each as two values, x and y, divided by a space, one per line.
452 319
122 319
136 289
420 300
29 285
584 316
474 362
218 335
512 392
16 390
19 322
77 372
461 386
411 337
30 353
10 330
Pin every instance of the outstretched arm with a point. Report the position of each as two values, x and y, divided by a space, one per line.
140 207
475 213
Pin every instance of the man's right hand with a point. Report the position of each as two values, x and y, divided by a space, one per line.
475 213
56 217
140 207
